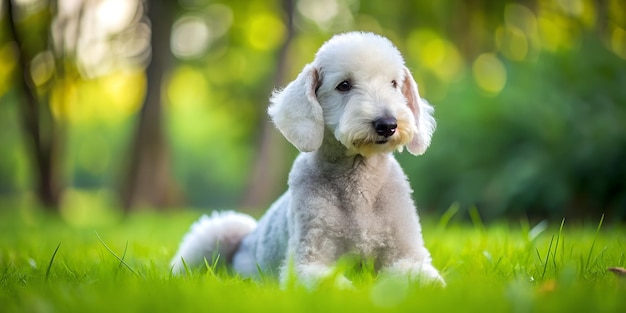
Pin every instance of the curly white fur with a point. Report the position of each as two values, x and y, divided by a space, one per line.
347 193
210 237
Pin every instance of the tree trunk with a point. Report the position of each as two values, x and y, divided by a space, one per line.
40 127
269 172
149 183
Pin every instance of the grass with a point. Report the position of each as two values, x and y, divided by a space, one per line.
47 265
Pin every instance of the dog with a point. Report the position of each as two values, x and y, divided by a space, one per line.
346 112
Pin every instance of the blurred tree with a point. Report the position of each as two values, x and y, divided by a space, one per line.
527 93
45 133
269 170
149 182
48 37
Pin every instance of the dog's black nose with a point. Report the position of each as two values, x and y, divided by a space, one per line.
385 126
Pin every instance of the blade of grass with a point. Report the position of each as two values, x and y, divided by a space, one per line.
621 257
124 254
187 271
216 259
261 273
497 264
448 215
600 255
208 267
52 261
213 267
545 264
525 227
116 256
476 220
593 243
556 246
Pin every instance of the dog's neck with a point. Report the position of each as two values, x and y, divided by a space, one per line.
334 152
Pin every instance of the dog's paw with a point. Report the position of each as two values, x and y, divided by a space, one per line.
428 274
338 281
341 282
417 272
314 276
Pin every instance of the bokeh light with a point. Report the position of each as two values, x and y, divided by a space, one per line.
509 66
489 73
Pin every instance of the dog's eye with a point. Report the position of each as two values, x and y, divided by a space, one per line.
394 84
344 86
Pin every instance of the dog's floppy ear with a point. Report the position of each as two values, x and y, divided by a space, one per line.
422 111
296 112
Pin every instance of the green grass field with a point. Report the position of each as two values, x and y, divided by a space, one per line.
115 265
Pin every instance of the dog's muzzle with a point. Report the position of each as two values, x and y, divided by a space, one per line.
385 127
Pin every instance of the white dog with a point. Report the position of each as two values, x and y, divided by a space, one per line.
346 112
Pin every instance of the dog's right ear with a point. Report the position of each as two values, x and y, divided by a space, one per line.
296 112
423 113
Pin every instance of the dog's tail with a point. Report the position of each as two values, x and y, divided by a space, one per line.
211 237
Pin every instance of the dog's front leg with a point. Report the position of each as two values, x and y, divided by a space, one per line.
313 250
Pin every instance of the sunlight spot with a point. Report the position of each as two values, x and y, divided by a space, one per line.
438 55
512 43
487 255
266 31
8 53
115 15
32 263
67 7
571 7
589 15
489 73
42 67
433 53
193 35
26 2
319 11
63 98
94 59
29 5
190 37
518 39
123 93
555 32
187 88
114 96
519 16
329 15
134 43
82 208
219 18
452 64
109 98
551 37
618 42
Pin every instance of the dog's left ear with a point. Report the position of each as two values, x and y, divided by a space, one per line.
423 113
296 112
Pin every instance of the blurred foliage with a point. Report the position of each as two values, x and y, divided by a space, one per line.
553 142
529 98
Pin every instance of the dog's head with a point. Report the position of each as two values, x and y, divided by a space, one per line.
359 88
